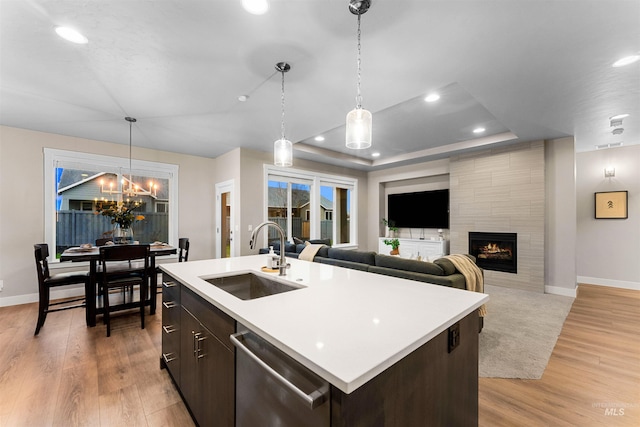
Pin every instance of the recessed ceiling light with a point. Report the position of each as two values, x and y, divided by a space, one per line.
626 60
432 97
256 7
319 138
479 130
375 154
243 98
619 117
71 35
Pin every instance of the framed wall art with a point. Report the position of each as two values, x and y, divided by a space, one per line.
612 205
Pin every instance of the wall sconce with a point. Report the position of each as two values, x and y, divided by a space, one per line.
609 172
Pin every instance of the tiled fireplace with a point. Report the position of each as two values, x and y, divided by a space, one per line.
495 251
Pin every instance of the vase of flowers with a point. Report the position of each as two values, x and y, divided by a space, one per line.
123 217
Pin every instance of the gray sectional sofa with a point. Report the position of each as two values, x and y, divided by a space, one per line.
440 272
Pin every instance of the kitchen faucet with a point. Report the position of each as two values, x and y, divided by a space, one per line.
283 261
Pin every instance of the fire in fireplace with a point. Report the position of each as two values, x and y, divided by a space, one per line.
495 251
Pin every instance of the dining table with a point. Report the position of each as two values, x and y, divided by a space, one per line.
92 255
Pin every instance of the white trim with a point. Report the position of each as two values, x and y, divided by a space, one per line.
558 290
29 298
609 282
317 180
225 187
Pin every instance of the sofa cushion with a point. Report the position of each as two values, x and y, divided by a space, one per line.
452 280
410 265
342 263
288 247
320 241
446 265
362 257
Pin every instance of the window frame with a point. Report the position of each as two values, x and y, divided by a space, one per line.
289 175
54 158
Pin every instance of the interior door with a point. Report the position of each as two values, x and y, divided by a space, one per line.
225 246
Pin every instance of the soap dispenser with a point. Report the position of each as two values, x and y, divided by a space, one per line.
270 258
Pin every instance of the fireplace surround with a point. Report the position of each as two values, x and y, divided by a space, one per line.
495 251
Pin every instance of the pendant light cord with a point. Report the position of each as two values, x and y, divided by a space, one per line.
282 122
359 96
130 125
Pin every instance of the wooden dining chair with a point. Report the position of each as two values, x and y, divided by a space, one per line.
46 281
113 276
183 249
183 256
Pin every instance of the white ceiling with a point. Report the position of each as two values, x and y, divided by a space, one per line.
523 69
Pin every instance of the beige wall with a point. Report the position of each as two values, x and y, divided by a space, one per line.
21 196
560 217
608 250
502 190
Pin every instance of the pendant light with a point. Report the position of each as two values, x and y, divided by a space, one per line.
282 148
358 120
130 188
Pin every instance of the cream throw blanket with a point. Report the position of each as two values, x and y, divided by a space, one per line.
472 275
309 251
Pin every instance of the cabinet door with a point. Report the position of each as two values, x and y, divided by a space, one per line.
171 326
206 374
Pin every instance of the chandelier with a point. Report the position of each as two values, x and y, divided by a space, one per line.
127 186
359 123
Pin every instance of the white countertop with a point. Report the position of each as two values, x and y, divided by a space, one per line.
345 325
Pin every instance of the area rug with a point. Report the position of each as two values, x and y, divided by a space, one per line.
520 331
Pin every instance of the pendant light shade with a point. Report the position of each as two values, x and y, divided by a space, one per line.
282 148
359 129
359 121
282 153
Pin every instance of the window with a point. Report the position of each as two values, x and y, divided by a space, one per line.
162 207
311 206
76 183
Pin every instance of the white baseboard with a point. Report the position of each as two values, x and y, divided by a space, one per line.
608 282
29 298
557 290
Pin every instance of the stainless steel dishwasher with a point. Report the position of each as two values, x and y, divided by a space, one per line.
273 390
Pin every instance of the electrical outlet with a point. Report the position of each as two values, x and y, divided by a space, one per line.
1 285
454 336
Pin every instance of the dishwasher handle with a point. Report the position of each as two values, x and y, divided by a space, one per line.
313 399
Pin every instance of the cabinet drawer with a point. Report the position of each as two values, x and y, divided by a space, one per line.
212 318
170 289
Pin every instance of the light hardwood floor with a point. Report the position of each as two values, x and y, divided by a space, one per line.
71 375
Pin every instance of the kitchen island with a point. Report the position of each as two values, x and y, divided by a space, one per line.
394 351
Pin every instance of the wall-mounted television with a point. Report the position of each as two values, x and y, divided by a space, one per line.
424 209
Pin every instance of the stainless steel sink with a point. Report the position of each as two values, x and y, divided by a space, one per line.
250 286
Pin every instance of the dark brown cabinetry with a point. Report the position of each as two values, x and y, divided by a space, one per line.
207 364
198 354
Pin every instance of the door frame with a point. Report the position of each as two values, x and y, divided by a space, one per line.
224 187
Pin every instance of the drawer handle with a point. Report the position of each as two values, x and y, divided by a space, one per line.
198 338
169 304
168 357
169 284
169 329
313 399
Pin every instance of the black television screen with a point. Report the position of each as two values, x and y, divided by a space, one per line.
425 209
